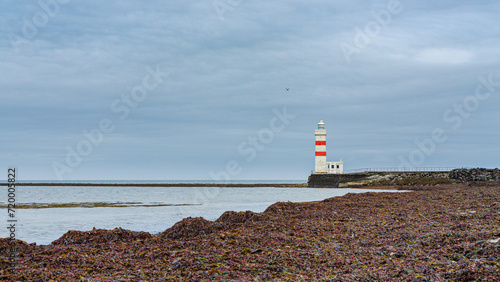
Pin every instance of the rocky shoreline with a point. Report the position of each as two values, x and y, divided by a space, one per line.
428 178
473 175
434 233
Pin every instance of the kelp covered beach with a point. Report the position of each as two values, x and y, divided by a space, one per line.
433 233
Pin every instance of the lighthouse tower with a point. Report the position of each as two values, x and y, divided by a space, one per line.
320 159
320 163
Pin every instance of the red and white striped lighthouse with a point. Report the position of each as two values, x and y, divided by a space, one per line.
320 159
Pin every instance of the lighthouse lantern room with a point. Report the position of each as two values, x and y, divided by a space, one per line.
321 165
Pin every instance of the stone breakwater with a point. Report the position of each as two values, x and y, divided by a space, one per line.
475 174
377 179
428 178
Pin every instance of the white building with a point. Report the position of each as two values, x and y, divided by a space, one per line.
321 165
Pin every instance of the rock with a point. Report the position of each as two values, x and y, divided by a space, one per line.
474 174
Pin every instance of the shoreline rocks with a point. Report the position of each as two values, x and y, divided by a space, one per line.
474 175
429 178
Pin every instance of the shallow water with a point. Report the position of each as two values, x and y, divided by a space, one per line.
43 226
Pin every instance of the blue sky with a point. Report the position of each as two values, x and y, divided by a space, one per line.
197 89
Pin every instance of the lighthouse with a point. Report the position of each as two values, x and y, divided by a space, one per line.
320 159
320 163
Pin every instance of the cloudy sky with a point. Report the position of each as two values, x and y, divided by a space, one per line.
165 90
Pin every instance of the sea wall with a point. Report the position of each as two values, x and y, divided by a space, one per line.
334 180
377 178
424 178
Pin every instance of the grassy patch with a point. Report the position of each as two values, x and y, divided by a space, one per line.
411 181
423 181
298 185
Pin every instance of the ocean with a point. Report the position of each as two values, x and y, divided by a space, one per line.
151 209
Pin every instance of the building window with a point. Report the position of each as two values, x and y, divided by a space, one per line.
338 166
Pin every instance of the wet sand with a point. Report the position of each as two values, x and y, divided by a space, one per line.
429 234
